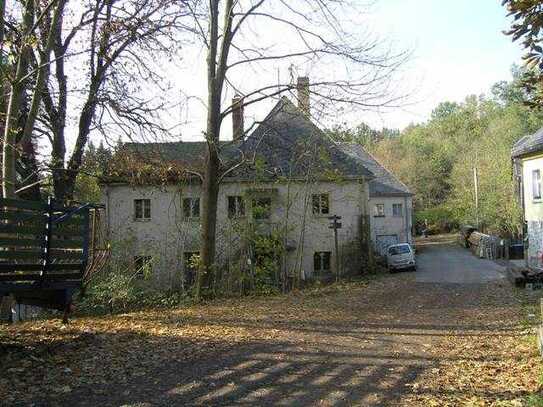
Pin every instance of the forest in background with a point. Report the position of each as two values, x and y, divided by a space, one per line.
435 159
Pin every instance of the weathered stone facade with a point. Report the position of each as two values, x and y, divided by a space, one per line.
166 236
391 227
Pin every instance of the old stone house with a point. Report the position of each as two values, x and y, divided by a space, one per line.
287 179
527 156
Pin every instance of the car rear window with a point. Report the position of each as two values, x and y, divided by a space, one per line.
399 250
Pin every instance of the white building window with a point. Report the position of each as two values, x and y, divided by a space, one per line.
536 184
321 262
191 208
397 210
321 204
379 210
142 209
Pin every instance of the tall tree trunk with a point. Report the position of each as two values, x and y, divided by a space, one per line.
210 184
14 104
210 197
43 73
2 14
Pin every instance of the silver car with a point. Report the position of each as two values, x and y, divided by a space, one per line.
400 257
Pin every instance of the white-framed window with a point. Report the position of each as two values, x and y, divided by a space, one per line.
143 266
379 210
142 209
321 204
397 209
321 262
536 184
261 208
236 207
191 208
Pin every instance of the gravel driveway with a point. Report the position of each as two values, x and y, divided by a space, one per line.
433 337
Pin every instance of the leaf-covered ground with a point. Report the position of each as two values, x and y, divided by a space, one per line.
389 341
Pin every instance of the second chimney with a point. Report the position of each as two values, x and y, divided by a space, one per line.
238 127
303 94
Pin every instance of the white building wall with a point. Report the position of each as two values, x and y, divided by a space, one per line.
533 212
389 225
166 236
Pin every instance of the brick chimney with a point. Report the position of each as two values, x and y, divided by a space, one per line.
238 127
303 94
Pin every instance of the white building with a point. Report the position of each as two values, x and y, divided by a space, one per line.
293 178
527 154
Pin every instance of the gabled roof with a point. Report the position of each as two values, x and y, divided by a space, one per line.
285 144
384 183
292 145
530 144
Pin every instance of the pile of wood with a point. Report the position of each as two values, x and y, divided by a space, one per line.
485 246
526 278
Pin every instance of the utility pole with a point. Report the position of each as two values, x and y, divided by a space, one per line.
336 225
476 187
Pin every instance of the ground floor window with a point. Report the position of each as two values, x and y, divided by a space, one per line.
321 262
143 266
190 267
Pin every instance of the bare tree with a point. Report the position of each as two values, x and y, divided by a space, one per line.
124 37
102 52
312 31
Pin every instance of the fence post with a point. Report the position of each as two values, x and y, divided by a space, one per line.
47 237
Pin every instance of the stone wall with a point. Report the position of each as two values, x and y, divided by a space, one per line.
535 244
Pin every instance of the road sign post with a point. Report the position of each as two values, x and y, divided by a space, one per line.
336 225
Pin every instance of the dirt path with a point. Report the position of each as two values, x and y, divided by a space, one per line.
392 341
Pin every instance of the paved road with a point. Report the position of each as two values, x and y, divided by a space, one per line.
447 262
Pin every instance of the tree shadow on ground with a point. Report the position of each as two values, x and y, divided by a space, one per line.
255 373
142 369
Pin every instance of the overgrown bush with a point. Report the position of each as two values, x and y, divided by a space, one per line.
437 220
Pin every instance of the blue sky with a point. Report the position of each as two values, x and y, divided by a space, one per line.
458 50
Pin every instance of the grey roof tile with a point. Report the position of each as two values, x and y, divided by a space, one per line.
292 145
286 143
529 144
384 183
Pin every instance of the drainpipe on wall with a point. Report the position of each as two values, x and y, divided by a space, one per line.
108 226
407 228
